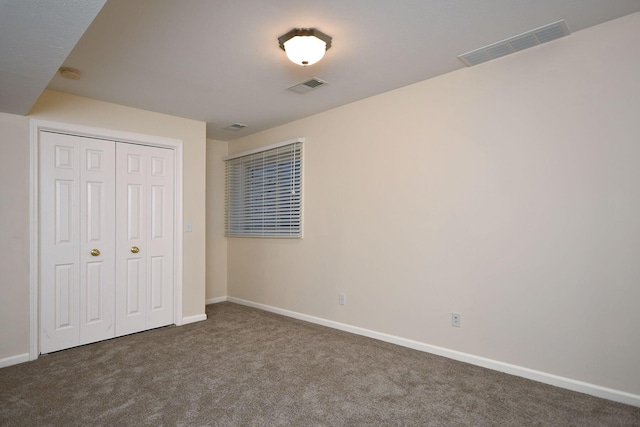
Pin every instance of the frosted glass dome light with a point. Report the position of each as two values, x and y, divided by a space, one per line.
305 46
305 50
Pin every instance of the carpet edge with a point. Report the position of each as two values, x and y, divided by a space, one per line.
496 365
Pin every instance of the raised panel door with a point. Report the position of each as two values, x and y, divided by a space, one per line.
97 240
75 216
145 206
160 238
106 215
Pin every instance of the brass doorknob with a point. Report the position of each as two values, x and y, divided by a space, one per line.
135 249
95 252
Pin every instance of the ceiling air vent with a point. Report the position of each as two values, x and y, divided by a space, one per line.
308 86
516 43
235 127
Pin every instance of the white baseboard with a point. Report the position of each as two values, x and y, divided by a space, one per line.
14 360
543 377
193 319
215 300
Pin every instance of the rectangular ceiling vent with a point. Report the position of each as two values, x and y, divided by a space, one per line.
308 86
235 127
516 43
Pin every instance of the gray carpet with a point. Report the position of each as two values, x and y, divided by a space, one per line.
246 367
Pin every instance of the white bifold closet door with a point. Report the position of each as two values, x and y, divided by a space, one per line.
77 241
106 239
144 254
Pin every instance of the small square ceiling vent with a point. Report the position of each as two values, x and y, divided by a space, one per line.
516 43
308 86
236 127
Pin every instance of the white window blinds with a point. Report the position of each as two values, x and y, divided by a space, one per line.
264 192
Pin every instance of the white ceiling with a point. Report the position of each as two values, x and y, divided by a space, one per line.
35 38
218 60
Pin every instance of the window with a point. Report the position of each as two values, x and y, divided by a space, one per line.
264 192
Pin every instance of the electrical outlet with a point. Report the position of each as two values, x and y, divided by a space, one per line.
341 299
455 319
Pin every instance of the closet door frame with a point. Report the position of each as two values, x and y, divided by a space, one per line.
113 135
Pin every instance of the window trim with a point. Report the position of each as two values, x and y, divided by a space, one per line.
265 148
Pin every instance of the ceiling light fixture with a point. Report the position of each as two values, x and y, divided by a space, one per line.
305 46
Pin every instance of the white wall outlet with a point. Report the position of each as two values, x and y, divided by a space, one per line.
188 227
342 299
455 319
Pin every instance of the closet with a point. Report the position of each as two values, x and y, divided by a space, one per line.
106 239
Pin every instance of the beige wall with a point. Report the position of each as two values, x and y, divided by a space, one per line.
59 107
508 192
216 242
14 235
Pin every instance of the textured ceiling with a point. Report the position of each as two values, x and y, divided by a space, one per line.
35 38
218 61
